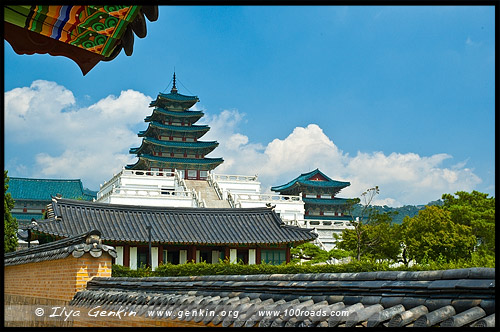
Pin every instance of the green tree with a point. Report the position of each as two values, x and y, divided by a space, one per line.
432 235
379 237
9 222
312 254
477 210
355 239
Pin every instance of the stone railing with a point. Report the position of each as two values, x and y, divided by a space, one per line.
151 192
213 183
235 199
197 199
139 173
312 223
267 198
233 178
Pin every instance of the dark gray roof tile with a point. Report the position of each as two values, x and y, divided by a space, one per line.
461 305
485 322
406 317
435 317
481 273
76 245
475 283
385 315
464 318
363 314
172 225
488 306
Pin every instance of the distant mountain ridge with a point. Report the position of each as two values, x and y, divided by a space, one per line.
403 211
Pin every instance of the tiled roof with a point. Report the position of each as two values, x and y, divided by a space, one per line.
171 225
75 245
44 189
326 201
182 114
182 160
27 216
177 96
463 297
303 180
175 144
180 128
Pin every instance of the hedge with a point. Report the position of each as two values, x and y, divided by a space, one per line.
225 268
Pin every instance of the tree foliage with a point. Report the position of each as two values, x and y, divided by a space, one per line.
476 210
379 238
312 254
373 235
432 235
9 222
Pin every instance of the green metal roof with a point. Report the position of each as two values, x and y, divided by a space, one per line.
168 160
44 189
175 144
27 216
163 98
182 160
185 113
303 180
192 128
326 201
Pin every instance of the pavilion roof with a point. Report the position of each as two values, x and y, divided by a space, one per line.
85 34
176 144
128 223
44 189
326 201
191 128
306 180
182 114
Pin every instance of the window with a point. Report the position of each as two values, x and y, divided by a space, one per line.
274 257
192 174
206 256
142 257
171 257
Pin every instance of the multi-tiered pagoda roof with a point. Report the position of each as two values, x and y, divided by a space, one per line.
171 140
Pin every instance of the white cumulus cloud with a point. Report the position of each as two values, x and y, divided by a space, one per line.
92 143
402 178
74 142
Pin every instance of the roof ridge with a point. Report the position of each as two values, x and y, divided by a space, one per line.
40 179
69 201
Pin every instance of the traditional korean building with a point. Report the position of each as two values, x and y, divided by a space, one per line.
171 141
31 196
323 210
178 235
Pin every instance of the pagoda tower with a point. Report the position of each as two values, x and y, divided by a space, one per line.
171 141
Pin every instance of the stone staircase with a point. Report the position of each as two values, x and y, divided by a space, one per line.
208 193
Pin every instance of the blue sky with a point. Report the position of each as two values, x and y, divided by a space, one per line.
400 97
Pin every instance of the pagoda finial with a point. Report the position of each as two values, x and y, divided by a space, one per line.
174 89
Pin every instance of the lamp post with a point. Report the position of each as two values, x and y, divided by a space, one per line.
149 239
